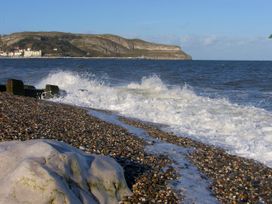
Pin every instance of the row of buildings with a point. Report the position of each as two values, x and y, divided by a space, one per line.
21 53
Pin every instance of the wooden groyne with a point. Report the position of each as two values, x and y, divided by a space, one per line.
17 87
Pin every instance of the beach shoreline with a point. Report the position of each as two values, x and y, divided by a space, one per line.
99 58
23 118
234 179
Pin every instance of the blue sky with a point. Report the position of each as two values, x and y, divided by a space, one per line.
210 29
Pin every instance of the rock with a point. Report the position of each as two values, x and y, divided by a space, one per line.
2 88
15 87
47 171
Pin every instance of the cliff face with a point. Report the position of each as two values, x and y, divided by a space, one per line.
83 45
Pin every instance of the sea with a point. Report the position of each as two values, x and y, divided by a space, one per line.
224 103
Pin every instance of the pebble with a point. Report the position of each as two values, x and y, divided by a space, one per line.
234 179
23 118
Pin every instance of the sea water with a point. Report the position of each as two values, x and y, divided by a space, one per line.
224 103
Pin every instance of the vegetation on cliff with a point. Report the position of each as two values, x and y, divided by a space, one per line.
89 45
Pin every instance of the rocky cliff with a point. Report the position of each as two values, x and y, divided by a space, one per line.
90 45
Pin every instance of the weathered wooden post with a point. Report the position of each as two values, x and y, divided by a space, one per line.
50 91
39 93
53 89
30 91
29 87
15 87
2 88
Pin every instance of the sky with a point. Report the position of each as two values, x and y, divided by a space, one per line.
205 29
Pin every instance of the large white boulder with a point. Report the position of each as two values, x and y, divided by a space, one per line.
47 171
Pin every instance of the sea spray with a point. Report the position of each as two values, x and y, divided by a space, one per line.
242 130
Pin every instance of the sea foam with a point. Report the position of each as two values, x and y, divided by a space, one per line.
241 130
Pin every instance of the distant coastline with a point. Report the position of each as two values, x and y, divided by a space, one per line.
102 58
106 46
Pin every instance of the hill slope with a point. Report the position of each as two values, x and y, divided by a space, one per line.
89 45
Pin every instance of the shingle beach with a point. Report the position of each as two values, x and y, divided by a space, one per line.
233 179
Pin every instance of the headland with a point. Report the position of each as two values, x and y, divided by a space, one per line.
59 44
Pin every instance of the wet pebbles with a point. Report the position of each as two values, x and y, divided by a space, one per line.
23 118
234 179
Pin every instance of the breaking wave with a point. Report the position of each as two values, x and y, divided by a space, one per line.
241 130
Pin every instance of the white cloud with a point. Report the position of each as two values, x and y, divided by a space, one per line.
225 47
210 40
219 47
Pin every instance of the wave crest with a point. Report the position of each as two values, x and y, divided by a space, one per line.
242 130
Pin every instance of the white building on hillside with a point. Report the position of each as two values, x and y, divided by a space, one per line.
32 53
3 54
18 53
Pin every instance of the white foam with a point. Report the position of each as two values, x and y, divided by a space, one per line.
242 130
193 185
190 185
